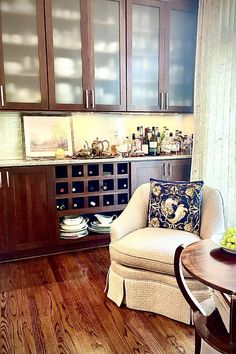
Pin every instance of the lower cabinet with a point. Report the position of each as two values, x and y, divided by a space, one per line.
34 200
3 213
28 211
168 170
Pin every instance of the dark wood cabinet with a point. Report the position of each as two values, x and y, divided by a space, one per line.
28 212
23 72
34 200
86 54
71 55
168 170
4 214
161 38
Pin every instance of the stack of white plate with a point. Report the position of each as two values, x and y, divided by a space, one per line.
73 227
96 226
102 224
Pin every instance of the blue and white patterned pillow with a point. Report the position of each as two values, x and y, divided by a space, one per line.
175 205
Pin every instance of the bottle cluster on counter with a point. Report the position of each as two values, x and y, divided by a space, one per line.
152 142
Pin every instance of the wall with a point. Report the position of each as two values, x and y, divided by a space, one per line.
88 126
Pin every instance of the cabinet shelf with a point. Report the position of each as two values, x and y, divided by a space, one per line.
20 44
68 78
86 211
145 82
18 13
88 238
145 32
20 74
73 49
75 17
144 55
106 79
96 193
101 52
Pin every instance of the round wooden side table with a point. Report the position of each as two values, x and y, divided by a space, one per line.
216 268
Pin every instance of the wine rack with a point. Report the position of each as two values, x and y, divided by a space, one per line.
91 188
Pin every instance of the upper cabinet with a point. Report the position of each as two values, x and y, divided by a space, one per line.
145 49
97 55
180 42
23 78
161 40
86 54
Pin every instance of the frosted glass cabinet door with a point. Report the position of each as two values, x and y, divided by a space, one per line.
65 63
144 48
23 59
108 33
181 59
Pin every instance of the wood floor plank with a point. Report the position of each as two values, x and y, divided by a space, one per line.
85 303
57 305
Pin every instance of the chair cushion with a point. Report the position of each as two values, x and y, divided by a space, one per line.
175 205
150 249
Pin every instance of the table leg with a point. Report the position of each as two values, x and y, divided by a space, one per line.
198 343
233 324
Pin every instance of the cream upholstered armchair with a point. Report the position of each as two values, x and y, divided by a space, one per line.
141 274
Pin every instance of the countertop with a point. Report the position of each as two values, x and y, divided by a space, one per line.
70 161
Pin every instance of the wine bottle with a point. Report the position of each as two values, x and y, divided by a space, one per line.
153 144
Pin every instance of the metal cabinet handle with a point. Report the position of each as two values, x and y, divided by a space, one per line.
164 169
2 96
0 179
162 100
167 100
86 99
169 169
8 179
92 99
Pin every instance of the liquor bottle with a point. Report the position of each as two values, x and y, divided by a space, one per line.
138 141
181 139
133 144
158 136
153 144
176 142
166 144
163 133
141 132
145 146
127 142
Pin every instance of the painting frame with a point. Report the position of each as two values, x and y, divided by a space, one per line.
43 135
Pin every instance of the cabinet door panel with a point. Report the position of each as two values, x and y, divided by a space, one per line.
3 213
31 198
141 172
178 170
145 54
64 44
180 57
23 53
109 65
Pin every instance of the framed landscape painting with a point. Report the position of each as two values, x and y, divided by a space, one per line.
43 135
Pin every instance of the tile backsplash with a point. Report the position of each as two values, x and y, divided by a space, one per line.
88 126
11 141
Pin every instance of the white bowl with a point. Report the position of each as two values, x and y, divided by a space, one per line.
72 220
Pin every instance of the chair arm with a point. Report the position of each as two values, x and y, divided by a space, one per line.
134 216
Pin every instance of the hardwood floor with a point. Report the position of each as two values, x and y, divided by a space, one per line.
56 304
